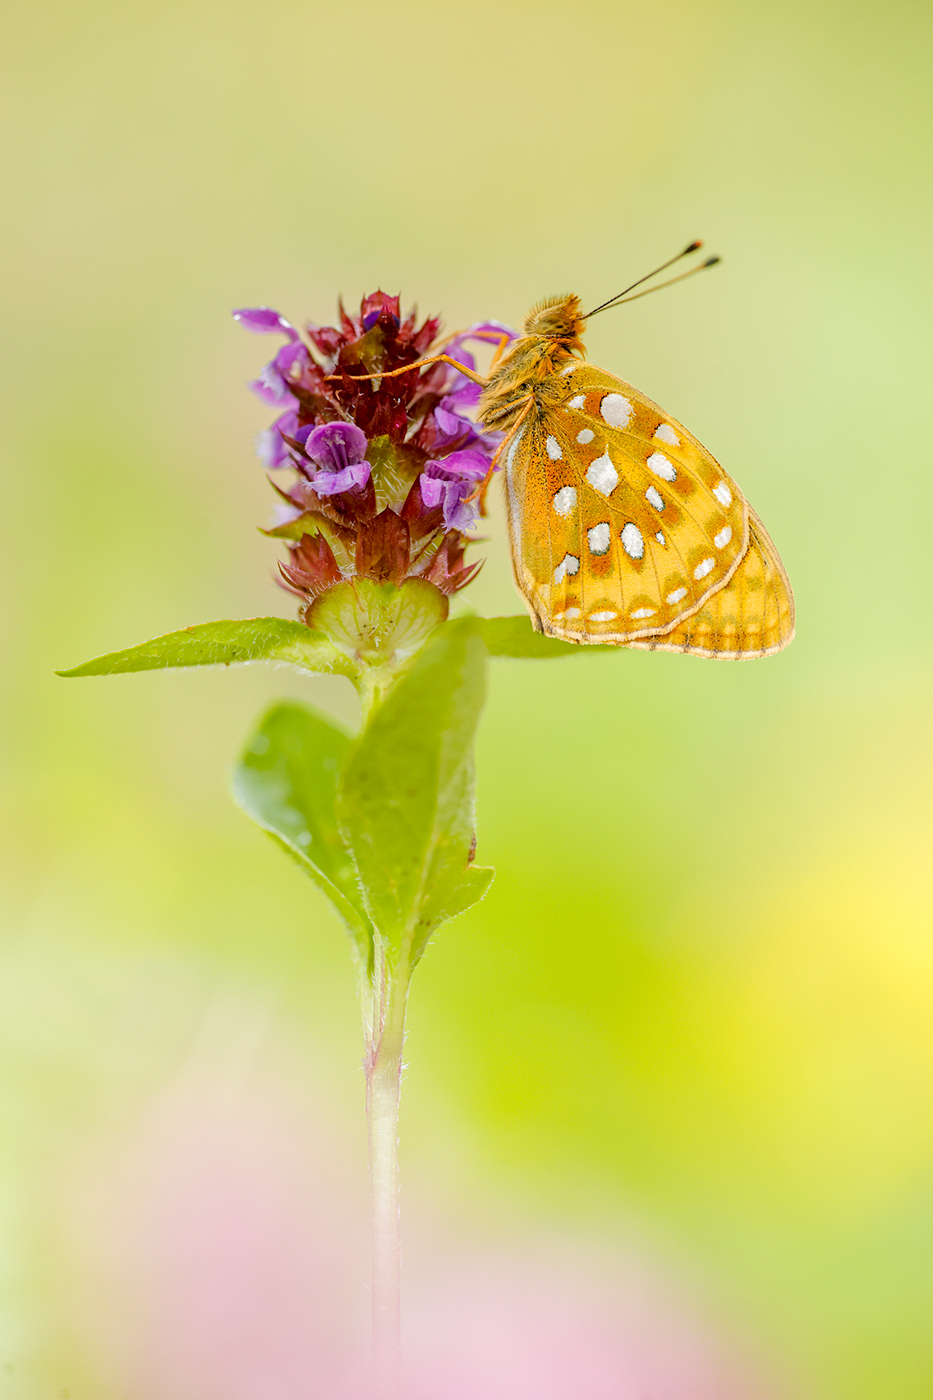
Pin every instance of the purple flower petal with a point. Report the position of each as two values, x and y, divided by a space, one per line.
491 332
262 320
468 465
432 490
458 515
463 392
270 386
332 483
452 424
303 433
336 445
269 445
375 305
283 514
448 482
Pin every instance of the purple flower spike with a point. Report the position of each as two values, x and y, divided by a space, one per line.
448 483
262 320
329 419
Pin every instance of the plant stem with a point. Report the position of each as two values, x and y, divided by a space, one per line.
385 1036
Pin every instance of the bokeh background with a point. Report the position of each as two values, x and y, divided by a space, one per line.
668 1120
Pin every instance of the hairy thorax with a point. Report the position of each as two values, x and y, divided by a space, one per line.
530 372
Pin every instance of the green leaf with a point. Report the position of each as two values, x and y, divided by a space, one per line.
405 803
287 782
515 636
225 644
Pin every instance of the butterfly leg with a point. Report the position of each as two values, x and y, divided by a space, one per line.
417 364
498 352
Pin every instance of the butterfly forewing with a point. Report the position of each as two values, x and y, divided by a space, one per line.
622 524
752 616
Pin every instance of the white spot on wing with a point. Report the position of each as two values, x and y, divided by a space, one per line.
571 613
660 538
585 435
665 433
568 566
616 410
723 538
633 541
662 466
644 612
553 448
598 538
705 568
653 497
578 402
676 596
570 369
565 499
602 475
723 494
602 616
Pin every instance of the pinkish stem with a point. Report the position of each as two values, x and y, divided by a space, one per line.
385 1036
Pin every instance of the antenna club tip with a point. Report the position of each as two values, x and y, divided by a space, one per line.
711 262
692 247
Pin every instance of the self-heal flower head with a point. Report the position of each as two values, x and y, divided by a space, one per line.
383 459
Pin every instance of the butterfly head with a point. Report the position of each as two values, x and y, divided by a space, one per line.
557 318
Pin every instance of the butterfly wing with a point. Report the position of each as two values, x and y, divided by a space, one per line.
750 616
621 523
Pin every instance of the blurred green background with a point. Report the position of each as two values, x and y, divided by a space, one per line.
698 1002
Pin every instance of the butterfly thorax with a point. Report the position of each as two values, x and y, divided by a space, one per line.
530 372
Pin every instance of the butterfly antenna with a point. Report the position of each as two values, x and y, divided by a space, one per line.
710 262
691 248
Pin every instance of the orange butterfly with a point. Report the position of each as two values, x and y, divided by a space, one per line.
623 528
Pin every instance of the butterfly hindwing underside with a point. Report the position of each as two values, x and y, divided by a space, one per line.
624 528
753 615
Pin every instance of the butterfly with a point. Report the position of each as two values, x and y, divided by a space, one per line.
623 528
